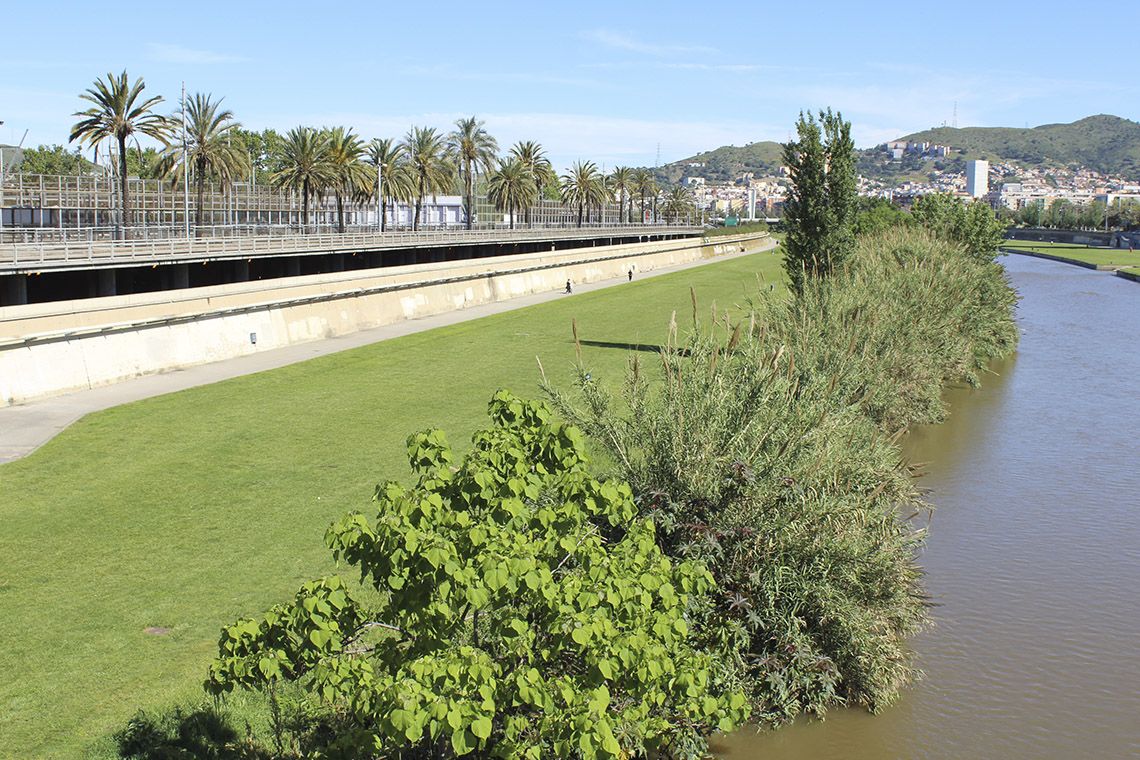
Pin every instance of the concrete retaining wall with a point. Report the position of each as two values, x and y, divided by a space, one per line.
1071 237
52 348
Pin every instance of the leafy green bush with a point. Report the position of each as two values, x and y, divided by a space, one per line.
768 451
972 225
512 606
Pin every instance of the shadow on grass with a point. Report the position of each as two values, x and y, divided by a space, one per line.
649 348
200 732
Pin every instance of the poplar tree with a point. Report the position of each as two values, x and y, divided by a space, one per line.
821 207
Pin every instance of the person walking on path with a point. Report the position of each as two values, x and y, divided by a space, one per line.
568 288
631 274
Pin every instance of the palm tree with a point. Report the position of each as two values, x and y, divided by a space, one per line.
473 149
533 157
349 172
583 187
678 203
387 157
427 160
621 183
644 184
210 151
119 112
511 187
305 166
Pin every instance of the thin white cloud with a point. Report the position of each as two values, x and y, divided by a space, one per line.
619 41
178 54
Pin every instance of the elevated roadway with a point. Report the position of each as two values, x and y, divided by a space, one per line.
23 258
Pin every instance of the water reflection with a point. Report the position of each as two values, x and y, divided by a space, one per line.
1034 555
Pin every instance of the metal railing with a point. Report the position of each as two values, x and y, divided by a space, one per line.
68 253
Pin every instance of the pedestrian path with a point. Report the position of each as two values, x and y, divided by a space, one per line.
26 427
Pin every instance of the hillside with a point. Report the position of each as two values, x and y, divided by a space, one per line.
1107 144
726 163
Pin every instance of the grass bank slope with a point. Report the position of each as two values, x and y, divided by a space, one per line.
186 511
1100 257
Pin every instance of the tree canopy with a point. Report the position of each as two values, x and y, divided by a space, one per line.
821 206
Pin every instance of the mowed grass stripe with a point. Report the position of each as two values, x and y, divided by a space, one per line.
189 510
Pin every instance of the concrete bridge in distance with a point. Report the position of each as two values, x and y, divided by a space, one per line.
36 272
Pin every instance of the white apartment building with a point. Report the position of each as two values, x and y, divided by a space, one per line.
977 178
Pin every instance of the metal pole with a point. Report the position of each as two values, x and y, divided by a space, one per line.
185 169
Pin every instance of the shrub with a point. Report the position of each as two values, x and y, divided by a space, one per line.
513 606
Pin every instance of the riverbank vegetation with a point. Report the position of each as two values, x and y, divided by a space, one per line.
769 452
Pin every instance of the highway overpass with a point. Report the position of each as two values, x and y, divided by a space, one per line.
38 272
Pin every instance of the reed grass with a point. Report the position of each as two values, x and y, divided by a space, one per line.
770 451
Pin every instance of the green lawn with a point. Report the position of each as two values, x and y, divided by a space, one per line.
1098 256
189 510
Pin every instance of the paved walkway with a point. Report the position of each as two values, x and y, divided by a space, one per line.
26 427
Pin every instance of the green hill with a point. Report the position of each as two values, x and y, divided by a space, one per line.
726 163
1107 144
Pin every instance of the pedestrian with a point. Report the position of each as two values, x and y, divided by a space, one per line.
631 274
568 288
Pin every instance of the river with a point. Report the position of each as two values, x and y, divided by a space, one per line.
1034 552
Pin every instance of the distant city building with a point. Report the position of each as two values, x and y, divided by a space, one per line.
898 148
977 178
691 181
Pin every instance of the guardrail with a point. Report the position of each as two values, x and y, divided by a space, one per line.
67 254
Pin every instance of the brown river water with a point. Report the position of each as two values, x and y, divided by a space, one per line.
1034 552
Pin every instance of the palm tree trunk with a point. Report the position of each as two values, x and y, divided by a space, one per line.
580 214
200 186
305 208
470 196
419 205
124 193
383 211
339 212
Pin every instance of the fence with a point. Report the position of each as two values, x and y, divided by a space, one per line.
40 208
69 253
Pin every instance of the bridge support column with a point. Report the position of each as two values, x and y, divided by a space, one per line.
108 283
180 276
15 290
241 270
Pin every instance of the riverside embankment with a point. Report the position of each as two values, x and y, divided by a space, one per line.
1032 556
1119 261
52 348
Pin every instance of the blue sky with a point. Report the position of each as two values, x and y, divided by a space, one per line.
606 81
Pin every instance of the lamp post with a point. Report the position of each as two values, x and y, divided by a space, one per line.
380 194
185 169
